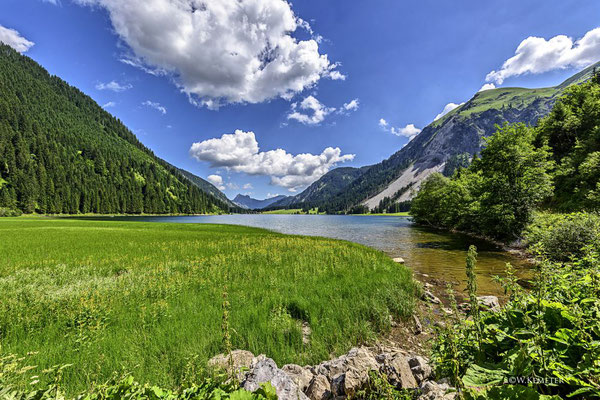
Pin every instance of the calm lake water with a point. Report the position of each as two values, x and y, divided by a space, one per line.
436 254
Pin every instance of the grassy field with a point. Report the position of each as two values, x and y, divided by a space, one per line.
146 298
312 211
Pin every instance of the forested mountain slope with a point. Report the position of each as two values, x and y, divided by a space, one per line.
60 152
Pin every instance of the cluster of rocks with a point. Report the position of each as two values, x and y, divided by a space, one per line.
339 378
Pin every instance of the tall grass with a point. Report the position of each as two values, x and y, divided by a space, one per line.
148 297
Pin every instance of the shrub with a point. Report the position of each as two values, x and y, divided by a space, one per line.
543 344
9 212
562 237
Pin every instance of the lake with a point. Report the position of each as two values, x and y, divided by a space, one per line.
436 254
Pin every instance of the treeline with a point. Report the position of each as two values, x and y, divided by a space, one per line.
554 165
62 153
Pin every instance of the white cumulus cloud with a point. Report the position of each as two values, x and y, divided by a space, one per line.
226 51
114 86
248 186
240 152
537 55
156 106
487 86
447 108
14 39
216 180
409 131
351 105
314 111
109 104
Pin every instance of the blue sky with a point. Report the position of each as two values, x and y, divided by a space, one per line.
402 62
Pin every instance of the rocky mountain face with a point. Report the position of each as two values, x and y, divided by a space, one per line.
460 132
254 204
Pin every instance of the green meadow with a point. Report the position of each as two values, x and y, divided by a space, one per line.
147 298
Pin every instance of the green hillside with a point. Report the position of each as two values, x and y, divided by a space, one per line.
459 132
60 152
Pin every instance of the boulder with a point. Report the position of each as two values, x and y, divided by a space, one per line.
399 260
239 360
302 376
489 303
265 370
420 368
395 366
319 388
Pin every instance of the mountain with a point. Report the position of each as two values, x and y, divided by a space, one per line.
60 152
456 136
206 187
322 190
254 204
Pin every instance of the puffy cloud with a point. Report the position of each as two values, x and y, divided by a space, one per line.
536 55
14 39
352 105
409 131
447 108
318 111
487 86
109 104
156 106
337 76
114 86
225 51
216 180
248 186
240 152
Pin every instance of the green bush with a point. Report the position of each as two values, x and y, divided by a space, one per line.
562 237
9 212
543 344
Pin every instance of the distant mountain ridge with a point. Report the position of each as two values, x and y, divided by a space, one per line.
460 132
249 203
323 189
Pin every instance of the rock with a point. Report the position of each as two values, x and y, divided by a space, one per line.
300 375
418 326
447 310
430 297
319 388
306 332
396 367
436 391
489 303
399 260
428 285
420 368
240 360
265 370
337 385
